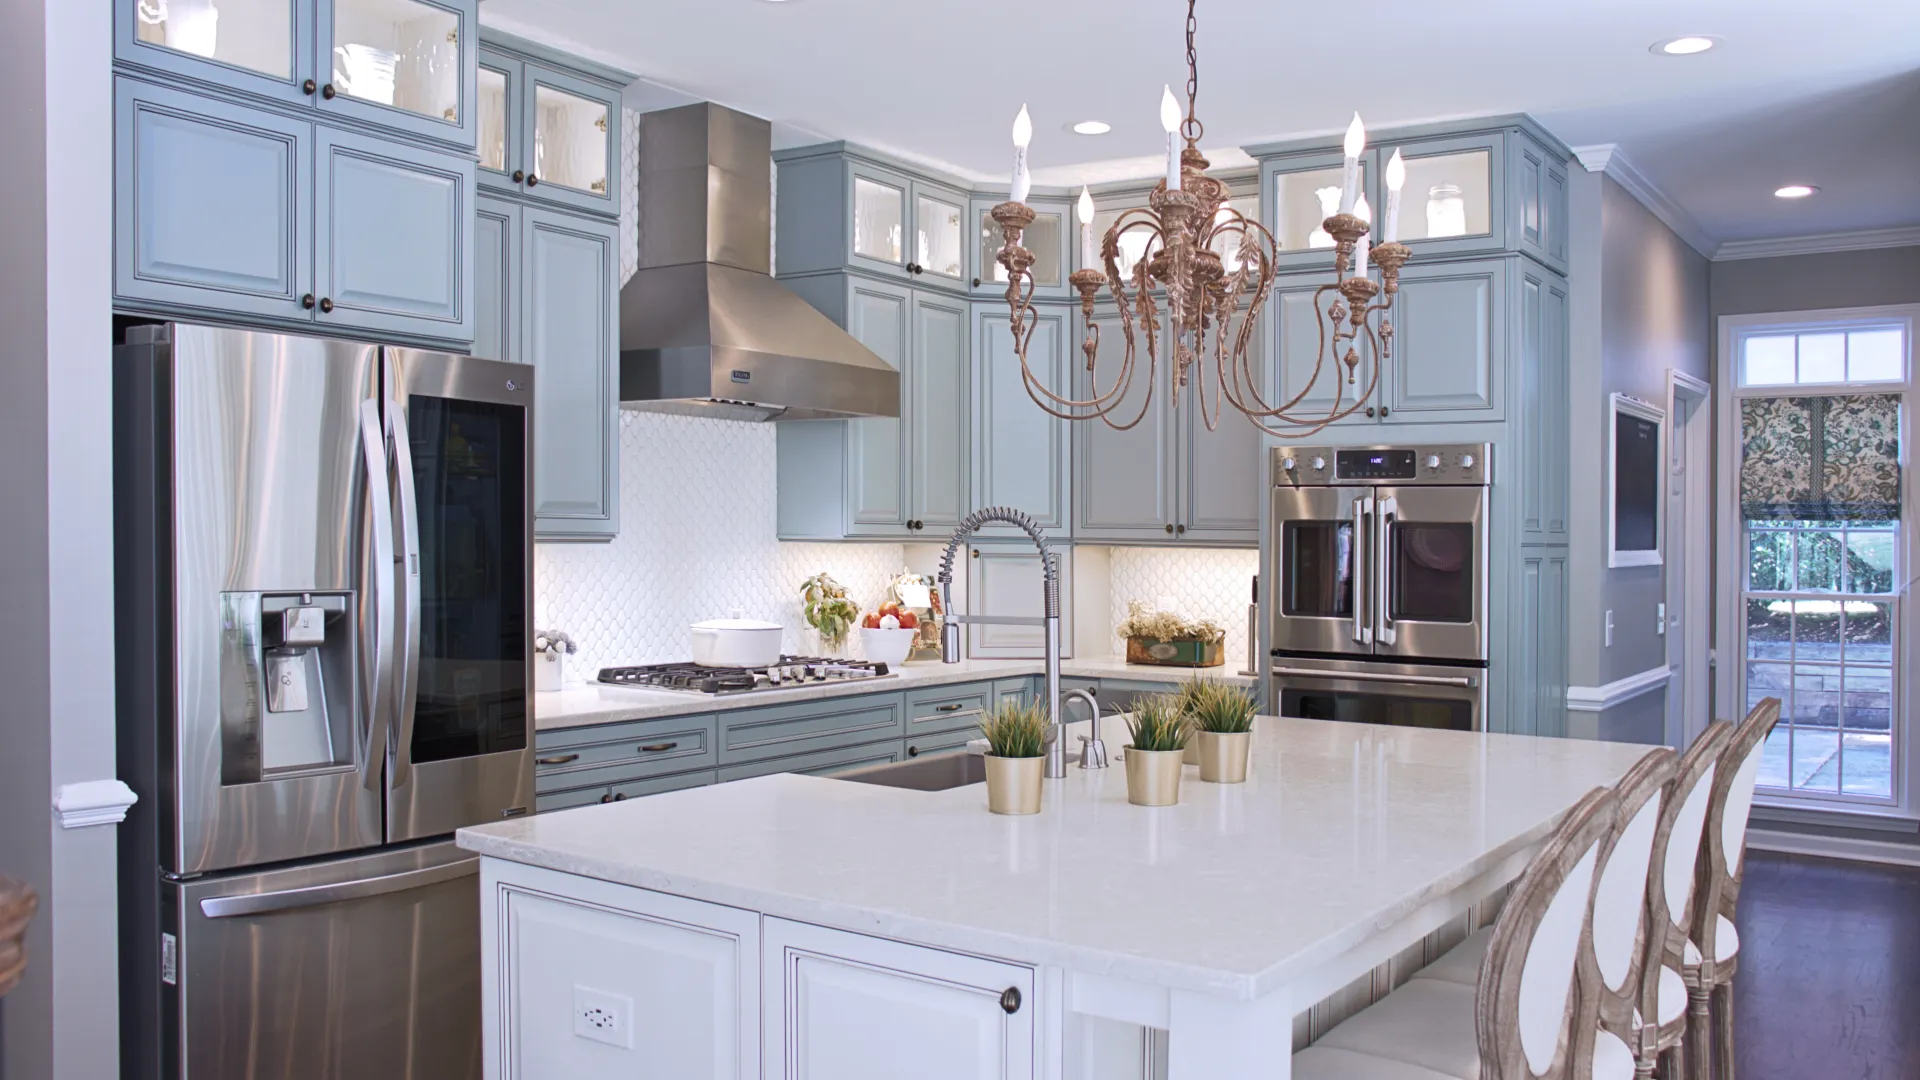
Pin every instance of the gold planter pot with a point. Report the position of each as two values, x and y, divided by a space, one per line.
1153 776
1013 784
1223 757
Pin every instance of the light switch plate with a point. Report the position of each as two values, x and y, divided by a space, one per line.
1609 629
603 1017
1662 627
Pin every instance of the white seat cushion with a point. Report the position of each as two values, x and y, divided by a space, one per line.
1427 1022
1612 1059
1462 963
1326 1063
1726 942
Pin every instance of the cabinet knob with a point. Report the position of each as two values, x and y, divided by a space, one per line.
326 305
307 301
532 179
1010 1000
1370 412
519 176
327 91
913 751
1383 412
1169 528
622 797
1181 529
309 87
606 798
976 283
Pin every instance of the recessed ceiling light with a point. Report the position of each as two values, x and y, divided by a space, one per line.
1684 46
1795 191
1092 127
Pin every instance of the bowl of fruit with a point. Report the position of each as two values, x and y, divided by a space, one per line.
887 634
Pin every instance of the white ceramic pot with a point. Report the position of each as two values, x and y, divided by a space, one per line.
889 647
736 643
549 671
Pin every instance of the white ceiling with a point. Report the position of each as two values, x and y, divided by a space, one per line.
1820 93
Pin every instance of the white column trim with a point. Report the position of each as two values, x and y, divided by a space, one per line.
1608 159
1619 691
92 802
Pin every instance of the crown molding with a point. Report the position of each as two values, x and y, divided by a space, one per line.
1608 159
1818 243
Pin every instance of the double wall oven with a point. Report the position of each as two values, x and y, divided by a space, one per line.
1379 559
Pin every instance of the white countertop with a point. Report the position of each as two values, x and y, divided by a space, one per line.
1341 829
591 703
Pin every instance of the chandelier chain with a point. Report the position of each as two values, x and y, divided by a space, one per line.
1192 128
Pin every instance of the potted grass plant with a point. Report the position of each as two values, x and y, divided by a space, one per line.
1185 698
1222 718
1154 758
1016 735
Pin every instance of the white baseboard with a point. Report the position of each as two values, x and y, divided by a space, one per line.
1835 847
1602 698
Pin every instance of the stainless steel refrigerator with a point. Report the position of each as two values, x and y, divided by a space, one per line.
323 578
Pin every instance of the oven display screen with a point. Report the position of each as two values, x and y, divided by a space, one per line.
1374 464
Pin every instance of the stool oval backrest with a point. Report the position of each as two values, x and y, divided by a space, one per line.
1670 892
1726 827
1524 1010
1620 924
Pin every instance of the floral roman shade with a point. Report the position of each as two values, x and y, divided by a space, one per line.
1820 458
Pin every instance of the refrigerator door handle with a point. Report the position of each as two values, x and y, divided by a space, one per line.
407 572
380 510
1358 549
1389 516
224 907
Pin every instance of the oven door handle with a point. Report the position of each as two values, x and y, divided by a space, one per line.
1358 559
1466 681
1387 514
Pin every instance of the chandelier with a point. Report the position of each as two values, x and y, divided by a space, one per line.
1212 304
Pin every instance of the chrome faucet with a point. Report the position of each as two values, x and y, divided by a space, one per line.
1095 754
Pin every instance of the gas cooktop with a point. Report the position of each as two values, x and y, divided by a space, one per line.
790 672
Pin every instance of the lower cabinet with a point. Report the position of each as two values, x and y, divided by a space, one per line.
851 1007
588 980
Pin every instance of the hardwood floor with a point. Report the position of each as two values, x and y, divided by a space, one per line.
1829 979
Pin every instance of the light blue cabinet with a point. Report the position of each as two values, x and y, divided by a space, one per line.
1449 343
549 127
212 204
393 231
569 332
1053 238
1542 414
392 65
1220 493
1022 457
842 208
1306 365
230 211
880 316
496 280
937 385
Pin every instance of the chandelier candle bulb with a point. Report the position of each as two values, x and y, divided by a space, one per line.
1022 135
1356 142
1396 178
1360 257
1089 255
1363 210
1170 119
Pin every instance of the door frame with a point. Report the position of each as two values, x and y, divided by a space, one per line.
1689 548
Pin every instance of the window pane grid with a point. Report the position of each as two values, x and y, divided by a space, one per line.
1827 356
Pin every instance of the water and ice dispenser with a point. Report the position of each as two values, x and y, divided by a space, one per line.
288 700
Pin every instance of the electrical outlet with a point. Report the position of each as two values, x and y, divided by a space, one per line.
1661 629
603 1017
1609 629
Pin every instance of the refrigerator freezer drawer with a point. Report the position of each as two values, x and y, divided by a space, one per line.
363 968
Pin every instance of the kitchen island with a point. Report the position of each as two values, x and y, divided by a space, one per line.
798 926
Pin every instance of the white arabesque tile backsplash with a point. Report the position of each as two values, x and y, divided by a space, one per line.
696 542
1203 583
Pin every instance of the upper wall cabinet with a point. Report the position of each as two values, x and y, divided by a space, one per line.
570 333
548 134
1113 204
1047 238
399 65
841 211
1022 457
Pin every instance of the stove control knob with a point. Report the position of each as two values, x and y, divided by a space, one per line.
1319 463
1287 464
1466 461
1433 461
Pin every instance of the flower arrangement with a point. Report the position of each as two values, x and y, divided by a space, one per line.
1164 638
553 641
828 609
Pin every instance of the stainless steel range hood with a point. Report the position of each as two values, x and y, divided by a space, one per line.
703 328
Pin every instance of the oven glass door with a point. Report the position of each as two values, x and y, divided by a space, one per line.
1376 692
1320 545
1369 707
1431 563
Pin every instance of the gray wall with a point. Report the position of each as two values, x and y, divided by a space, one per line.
1640 307
1834 279
56 718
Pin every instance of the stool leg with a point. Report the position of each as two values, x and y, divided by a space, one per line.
1673 1064
1699 1062
1722 1008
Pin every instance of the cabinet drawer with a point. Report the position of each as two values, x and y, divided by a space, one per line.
624 752
572 797
933 743
636 788
824 763
947 708
782 731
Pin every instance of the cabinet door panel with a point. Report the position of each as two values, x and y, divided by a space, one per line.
939 234
877 219
1054 239
936 420
210 204
1219 472
1022 457
499 82
496 286
570 334
1123 480
1007 580
843 1006
407 65
1449 345
1304 363
880 316
261 47
571 134
394 237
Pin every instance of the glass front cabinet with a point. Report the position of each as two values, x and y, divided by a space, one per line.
403 65
1053 229
546 134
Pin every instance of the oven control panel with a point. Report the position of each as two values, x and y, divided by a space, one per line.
1463 464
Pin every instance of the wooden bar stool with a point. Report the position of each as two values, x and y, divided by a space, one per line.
17 904
1712 954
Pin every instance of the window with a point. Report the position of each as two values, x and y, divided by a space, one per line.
1815 512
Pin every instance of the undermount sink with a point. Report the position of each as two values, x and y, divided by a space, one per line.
940 773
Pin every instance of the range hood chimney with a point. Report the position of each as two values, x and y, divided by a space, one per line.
703 329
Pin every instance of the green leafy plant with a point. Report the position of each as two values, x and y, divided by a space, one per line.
1158 723
1216 707
828 609
1016 729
